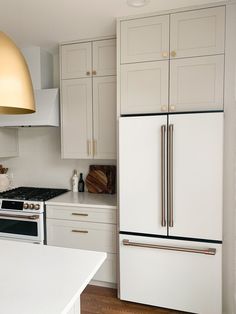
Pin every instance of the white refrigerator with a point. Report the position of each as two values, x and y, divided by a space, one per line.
170 210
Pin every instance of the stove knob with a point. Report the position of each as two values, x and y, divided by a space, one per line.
37 207
31 206
26 205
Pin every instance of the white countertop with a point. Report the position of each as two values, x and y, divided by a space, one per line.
38 279
84 199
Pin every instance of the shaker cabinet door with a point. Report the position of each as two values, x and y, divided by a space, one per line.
197 33
144 87
76 112
197 84
145 39
140 179
197 175
104 117
104 57
76 60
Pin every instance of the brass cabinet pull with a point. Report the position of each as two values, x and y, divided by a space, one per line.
94 147
163 181
165 54
88 73
79 214
173 54
88 148
94 72
79 231
208 251
170 175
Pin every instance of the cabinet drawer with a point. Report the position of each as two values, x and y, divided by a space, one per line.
183 281
82 235
102 215
107 272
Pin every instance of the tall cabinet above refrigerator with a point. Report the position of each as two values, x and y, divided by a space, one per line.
170 112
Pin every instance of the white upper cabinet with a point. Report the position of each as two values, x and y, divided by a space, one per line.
197 33
104 117
104 57
88 100
192 76
145 39
197 83
9 142
76 118
144 87
76 60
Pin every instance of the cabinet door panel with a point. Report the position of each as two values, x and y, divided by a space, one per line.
197 175
104 57
145 39
144 87
179 280
140 174
76 60
198 33
197 84
104 117
76 109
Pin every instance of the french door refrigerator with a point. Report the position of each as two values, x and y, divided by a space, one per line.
170 210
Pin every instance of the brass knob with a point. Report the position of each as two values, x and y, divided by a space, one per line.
172 108
173 53
88 73
165 54
164 108
94 72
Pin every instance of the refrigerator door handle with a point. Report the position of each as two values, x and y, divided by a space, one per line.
163 182
170 177
207 251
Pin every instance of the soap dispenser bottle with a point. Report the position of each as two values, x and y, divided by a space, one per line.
75 181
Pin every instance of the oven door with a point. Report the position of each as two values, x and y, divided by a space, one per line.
24 226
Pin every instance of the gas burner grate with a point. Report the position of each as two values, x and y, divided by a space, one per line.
32 193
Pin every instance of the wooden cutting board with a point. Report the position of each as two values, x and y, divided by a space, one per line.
96 181
101 179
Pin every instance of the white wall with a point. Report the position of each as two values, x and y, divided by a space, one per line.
39 162
229 240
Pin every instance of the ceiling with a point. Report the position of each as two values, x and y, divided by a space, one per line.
46 23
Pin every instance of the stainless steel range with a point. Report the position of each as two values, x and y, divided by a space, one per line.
22 213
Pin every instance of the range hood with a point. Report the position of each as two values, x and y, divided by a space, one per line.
40 64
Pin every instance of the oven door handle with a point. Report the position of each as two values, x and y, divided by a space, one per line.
31 217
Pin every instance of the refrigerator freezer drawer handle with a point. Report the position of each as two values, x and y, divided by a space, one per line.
163 192
208 251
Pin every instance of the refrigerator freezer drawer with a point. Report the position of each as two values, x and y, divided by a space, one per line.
181 275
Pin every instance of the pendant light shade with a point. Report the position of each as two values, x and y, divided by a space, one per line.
16 90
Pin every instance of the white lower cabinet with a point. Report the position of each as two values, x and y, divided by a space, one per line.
76 228
167 278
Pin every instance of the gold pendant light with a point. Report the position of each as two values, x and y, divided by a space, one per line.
16 90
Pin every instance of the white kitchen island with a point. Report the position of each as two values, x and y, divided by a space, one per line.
38 279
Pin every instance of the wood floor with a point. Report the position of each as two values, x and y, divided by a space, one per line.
99 300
